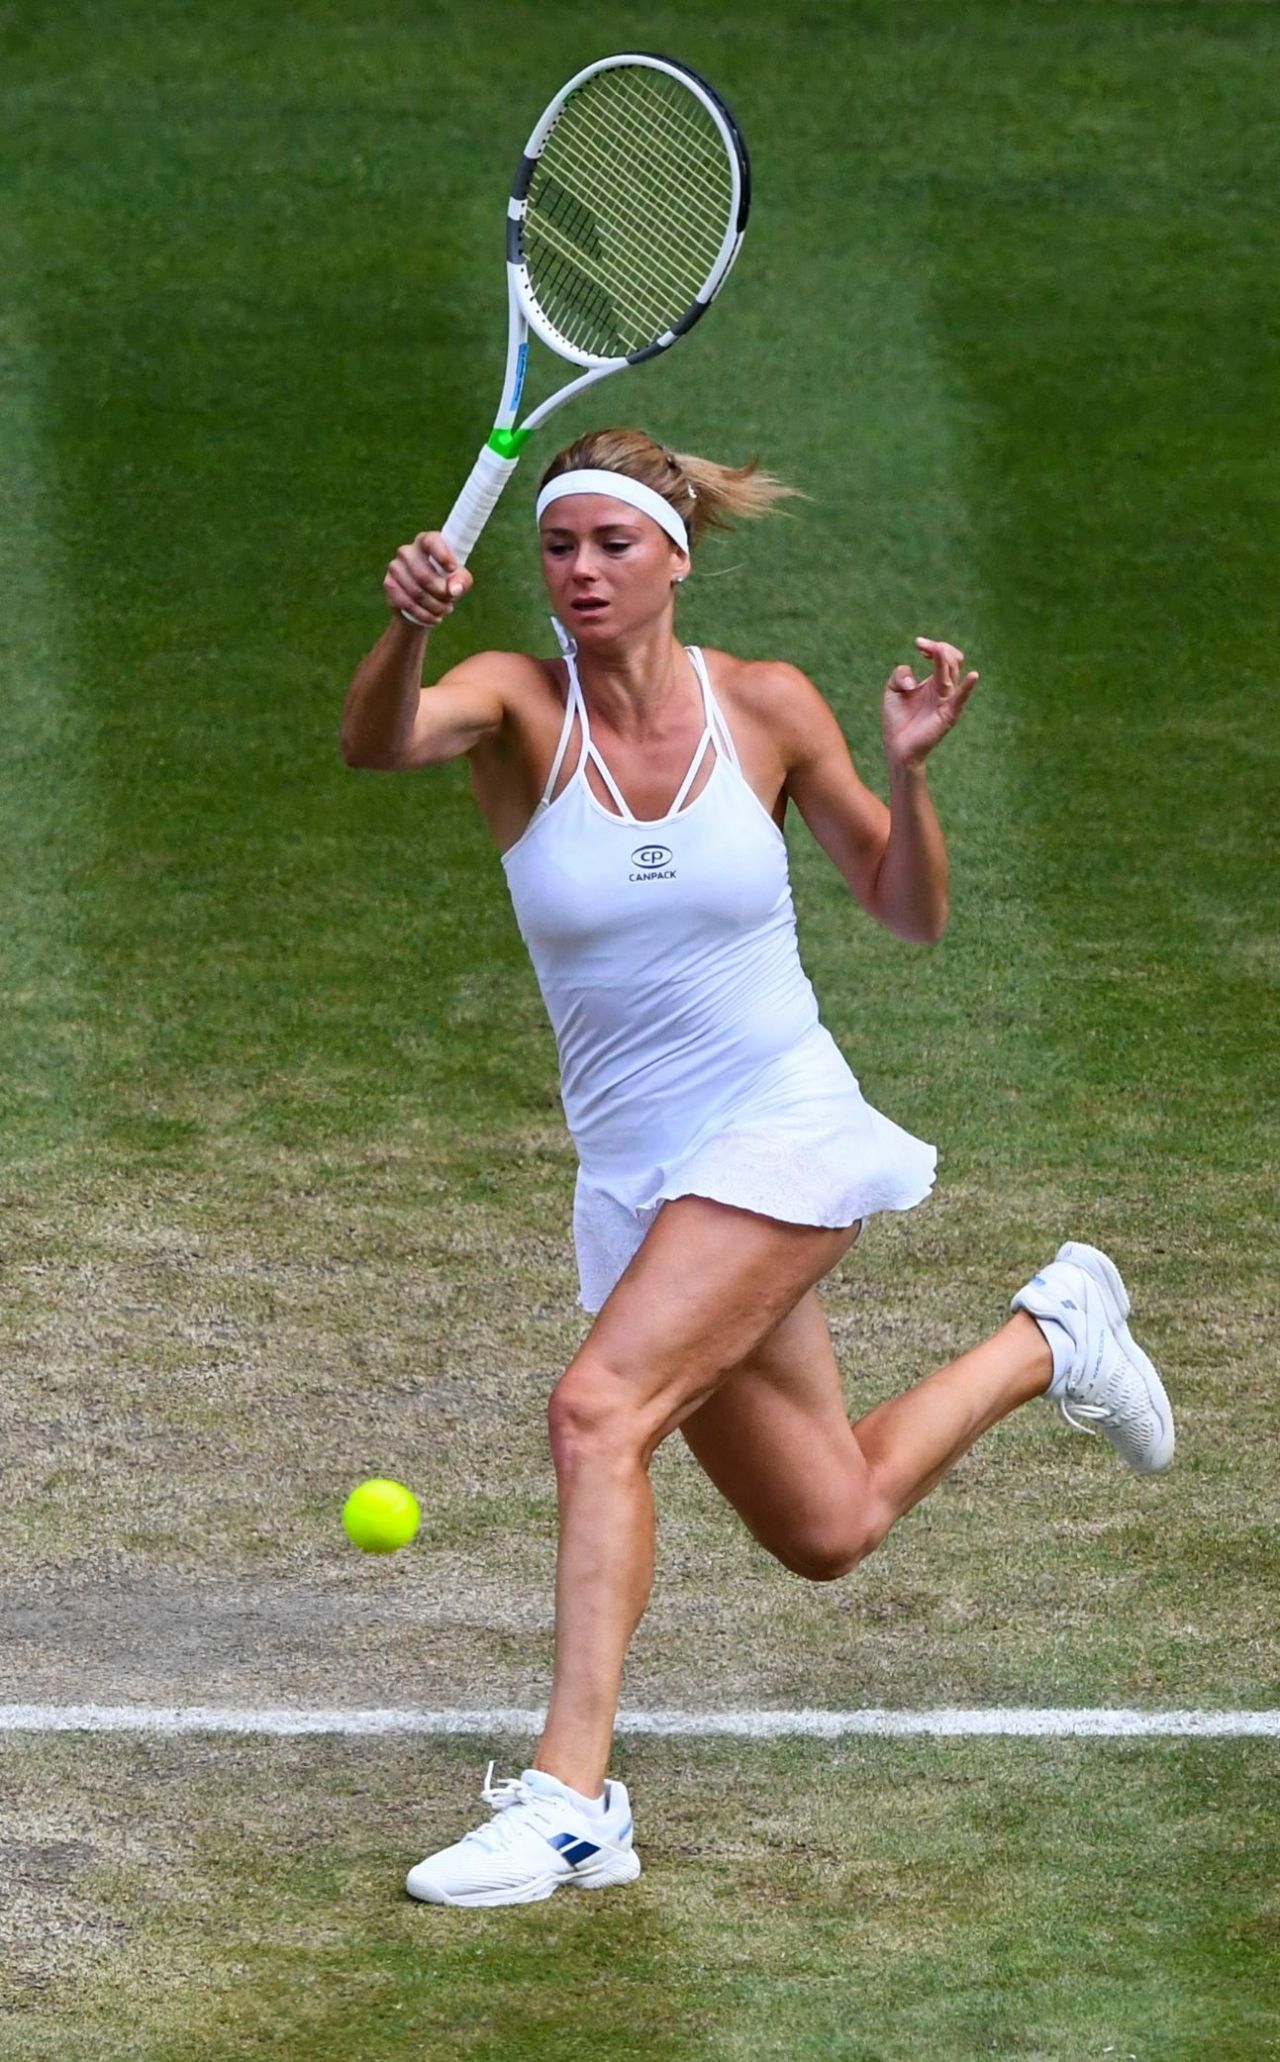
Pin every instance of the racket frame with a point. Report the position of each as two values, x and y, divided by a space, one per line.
730 243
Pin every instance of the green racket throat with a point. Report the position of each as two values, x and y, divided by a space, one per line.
509 443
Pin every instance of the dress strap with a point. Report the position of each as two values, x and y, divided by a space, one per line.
707 739
576 704
716 723
715 732
590 752
571 701
566 643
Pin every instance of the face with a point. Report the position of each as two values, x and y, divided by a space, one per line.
610 571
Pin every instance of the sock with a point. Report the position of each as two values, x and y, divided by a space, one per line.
1063 1348
590 1807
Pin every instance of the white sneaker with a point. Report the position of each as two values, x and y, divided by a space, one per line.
537 1840
1111 1386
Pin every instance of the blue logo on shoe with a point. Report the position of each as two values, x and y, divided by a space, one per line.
573 1849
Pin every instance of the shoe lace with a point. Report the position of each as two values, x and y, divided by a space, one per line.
1092 1417
1086 1417
503 1796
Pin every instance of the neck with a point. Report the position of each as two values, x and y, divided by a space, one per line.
632 685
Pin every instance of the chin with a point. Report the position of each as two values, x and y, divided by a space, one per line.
601 629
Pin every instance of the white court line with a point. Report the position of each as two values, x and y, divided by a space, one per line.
947 1722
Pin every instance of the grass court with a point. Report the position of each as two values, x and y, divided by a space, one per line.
285 1188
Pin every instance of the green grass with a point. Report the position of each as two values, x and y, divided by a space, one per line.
286 1191
863 1902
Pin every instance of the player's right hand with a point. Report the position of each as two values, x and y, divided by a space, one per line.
424 580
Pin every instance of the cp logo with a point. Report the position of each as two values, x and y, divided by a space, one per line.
650 857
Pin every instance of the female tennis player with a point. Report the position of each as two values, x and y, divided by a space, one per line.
636 789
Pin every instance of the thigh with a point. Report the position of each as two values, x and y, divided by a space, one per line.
775 1439
707 1286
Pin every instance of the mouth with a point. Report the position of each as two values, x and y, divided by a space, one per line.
588 605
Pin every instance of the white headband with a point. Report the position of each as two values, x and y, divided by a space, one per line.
619 487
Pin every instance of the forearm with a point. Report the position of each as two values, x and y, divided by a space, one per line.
382 701
909 895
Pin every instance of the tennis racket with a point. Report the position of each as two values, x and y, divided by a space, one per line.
627 210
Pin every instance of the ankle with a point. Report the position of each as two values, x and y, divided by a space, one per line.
580 1779
1049 1351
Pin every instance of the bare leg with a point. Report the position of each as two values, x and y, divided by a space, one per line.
713 1328
707 1285
819 1493
604 1574
913 1440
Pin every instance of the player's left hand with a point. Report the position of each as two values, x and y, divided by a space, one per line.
918 712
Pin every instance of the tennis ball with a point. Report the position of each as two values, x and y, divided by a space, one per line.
380 1516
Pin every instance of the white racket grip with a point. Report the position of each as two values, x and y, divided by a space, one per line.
477 501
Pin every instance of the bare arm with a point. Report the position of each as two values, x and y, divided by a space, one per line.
894 859
910 893
391 722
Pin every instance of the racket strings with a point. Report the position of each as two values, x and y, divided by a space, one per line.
649 167
628 211
569 286
659 133
593 168
662 120
582 309
604 248
645 298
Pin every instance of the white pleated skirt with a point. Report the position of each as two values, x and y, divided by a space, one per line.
804 1147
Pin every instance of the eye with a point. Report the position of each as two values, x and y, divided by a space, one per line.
617 544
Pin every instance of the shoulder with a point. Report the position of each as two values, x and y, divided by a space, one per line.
778 700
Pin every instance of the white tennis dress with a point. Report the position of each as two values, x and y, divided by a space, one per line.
692 1059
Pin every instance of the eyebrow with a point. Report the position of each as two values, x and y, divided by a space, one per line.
618 523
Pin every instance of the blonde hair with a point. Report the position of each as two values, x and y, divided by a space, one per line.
705 496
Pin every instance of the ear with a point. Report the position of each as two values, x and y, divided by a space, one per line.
684 567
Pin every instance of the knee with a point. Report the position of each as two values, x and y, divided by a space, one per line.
593 1418
827 1556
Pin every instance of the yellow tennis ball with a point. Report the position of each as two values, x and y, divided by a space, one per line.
380 1516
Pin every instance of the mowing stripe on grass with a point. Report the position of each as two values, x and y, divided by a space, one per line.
47 817
949 1722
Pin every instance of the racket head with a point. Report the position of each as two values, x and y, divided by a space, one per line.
628 209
